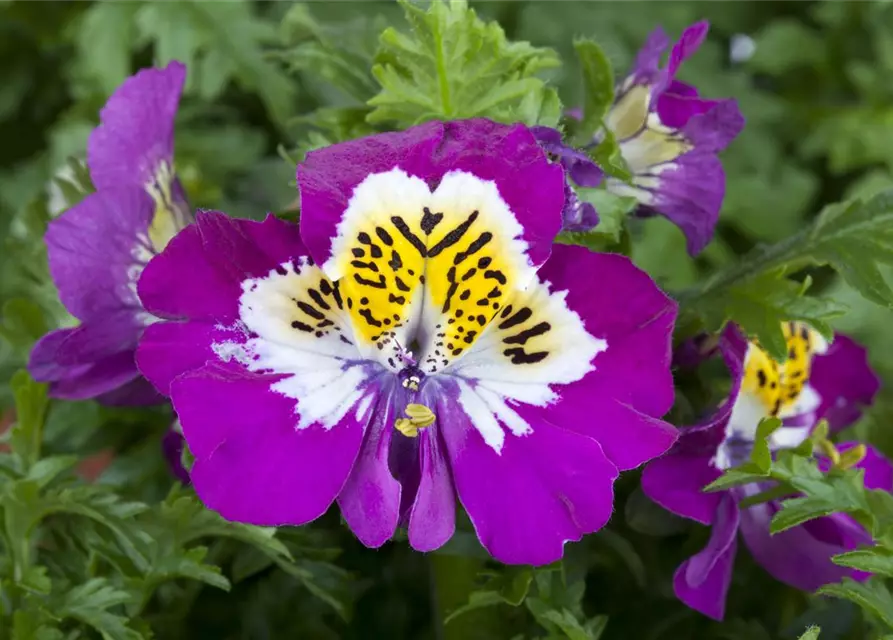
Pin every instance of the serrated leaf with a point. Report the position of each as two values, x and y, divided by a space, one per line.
90 603
850 237
540 108
873 560
452 65
612 212
736 476
871 595
598 87
799 510
760 305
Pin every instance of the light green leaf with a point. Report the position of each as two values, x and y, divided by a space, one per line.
542 108
31 410
598 87
104 41
453 65
169 25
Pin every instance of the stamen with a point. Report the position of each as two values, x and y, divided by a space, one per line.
418 417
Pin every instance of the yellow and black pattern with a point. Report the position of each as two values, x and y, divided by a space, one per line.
779 385
447 259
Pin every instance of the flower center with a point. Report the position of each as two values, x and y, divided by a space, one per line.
779 386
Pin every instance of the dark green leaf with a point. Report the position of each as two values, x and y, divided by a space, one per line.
871 595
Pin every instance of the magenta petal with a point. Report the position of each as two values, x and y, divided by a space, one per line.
532 187
219 253
432 519
252 463
844 380
676 482
136 131
91 251
370 499
620 402
702 582
621 304
169 349
544 489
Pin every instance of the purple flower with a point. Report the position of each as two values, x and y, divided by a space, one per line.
98 248
669 138
414 340
816 381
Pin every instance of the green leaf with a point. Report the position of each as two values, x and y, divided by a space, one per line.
453 65
812 633
568 624
338 52
745 474
104 40
90 603
873 560
760 455
541 108
871 595
509 587
32 625
236 38
170 26
598 87
607 155
761 304
850 237
31 411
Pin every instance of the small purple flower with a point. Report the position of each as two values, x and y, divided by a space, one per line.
816 381
98 248
414 340
669 138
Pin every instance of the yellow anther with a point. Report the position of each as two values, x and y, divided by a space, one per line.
419 417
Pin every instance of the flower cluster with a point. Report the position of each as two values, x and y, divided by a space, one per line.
420 339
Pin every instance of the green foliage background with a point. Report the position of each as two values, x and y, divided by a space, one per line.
127 557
